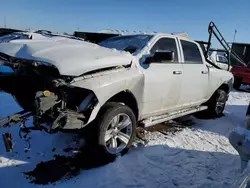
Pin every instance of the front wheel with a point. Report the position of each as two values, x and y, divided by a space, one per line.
116 128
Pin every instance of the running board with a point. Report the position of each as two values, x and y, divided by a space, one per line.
166 117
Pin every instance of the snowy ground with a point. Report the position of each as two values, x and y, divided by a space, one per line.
197 156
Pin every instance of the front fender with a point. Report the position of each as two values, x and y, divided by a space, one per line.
106 84
230 84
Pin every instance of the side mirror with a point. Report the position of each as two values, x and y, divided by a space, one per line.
161 56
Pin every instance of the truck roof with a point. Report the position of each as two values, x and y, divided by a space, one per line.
126 32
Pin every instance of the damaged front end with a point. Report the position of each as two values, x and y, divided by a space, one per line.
46 95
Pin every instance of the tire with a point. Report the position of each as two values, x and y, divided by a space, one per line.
216 105
103 129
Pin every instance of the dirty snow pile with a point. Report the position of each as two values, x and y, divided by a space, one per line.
197 156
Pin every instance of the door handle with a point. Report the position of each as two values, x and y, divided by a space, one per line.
204 72
177 72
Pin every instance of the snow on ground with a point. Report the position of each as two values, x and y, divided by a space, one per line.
197 156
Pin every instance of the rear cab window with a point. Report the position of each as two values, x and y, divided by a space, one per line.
191 52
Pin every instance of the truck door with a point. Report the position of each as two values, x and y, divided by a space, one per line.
162 79
194 88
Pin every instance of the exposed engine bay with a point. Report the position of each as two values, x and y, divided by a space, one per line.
41 90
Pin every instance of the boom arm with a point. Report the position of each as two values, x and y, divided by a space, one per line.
213 30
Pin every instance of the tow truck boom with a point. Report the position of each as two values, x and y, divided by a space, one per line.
213 30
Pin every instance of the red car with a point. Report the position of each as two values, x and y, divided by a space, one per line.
241 76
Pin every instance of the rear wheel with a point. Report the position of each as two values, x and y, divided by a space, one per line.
216 105
115 129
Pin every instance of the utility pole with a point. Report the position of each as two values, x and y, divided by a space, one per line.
5 25
235 31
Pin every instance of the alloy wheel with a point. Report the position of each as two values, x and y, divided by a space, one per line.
118 133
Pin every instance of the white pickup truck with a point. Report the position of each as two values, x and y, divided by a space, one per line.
111 88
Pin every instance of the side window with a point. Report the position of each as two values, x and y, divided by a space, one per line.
191 52
165 44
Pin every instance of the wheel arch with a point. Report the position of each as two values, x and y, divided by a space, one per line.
126 97
225 87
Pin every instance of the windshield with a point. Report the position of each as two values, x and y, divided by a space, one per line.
37 35
131 43
13 36
50 34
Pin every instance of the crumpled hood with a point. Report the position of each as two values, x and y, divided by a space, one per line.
71 57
